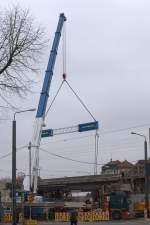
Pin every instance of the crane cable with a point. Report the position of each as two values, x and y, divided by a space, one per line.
64 50
54 97
64 77
82 103
63 65
76 95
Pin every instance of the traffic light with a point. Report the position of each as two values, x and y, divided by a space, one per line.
25 196
30 197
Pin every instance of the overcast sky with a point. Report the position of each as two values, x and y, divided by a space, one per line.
108 53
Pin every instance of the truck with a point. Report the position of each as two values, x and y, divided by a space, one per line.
118 205
123 205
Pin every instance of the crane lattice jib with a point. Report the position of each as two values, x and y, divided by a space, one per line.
49 72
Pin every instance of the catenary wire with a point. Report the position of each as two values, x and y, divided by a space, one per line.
67 158
5 107
5 119
67 139
101 133
124 129
105 132
10 153
129 149
105 147
74 160
23 147
13 107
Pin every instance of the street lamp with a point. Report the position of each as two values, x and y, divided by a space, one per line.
146 173
14 164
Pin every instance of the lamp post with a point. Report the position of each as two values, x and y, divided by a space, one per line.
29 147
14 164
146 173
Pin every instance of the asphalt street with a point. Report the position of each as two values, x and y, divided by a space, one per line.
126 222
131 222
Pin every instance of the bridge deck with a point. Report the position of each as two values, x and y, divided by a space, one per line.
83 183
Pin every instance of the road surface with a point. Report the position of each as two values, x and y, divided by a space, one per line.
127 222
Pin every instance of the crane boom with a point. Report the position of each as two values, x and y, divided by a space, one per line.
40 115
50 67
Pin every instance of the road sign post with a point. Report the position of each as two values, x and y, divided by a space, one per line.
88 126
47 133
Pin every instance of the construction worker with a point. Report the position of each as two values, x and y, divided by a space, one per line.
73 217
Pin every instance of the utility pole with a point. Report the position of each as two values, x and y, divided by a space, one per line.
29 147
146 175
0 207
14 171
14 164
96 152
149 140
146 179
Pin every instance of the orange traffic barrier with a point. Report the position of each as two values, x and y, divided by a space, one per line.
84 216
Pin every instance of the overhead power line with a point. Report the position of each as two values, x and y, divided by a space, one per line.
101 133
76 138
10 105
108 148
5 107
69 159
74 160
124 129
10 153
68 139
4 119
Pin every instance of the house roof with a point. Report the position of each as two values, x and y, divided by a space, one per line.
141 162
126 164
118 164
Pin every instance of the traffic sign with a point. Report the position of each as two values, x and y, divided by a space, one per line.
88 126
30 197
47 133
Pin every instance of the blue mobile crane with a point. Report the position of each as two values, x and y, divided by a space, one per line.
41 111
40 116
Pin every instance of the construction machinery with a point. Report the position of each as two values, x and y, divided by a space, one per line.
40 115
118 205
39 132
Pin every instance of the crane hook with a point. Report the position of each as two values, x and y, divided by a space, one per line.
64 76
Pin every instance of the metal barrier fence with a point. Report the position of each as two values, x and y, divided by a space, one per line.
65 217
83 216
7 217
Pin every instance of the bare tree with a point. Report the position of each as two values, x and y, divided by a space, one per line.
21 45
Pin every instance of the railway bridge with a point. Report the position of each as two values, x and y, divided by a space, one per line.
91 183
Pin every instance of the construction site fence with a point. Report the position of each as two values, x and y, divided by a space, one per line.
83 216
64 217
